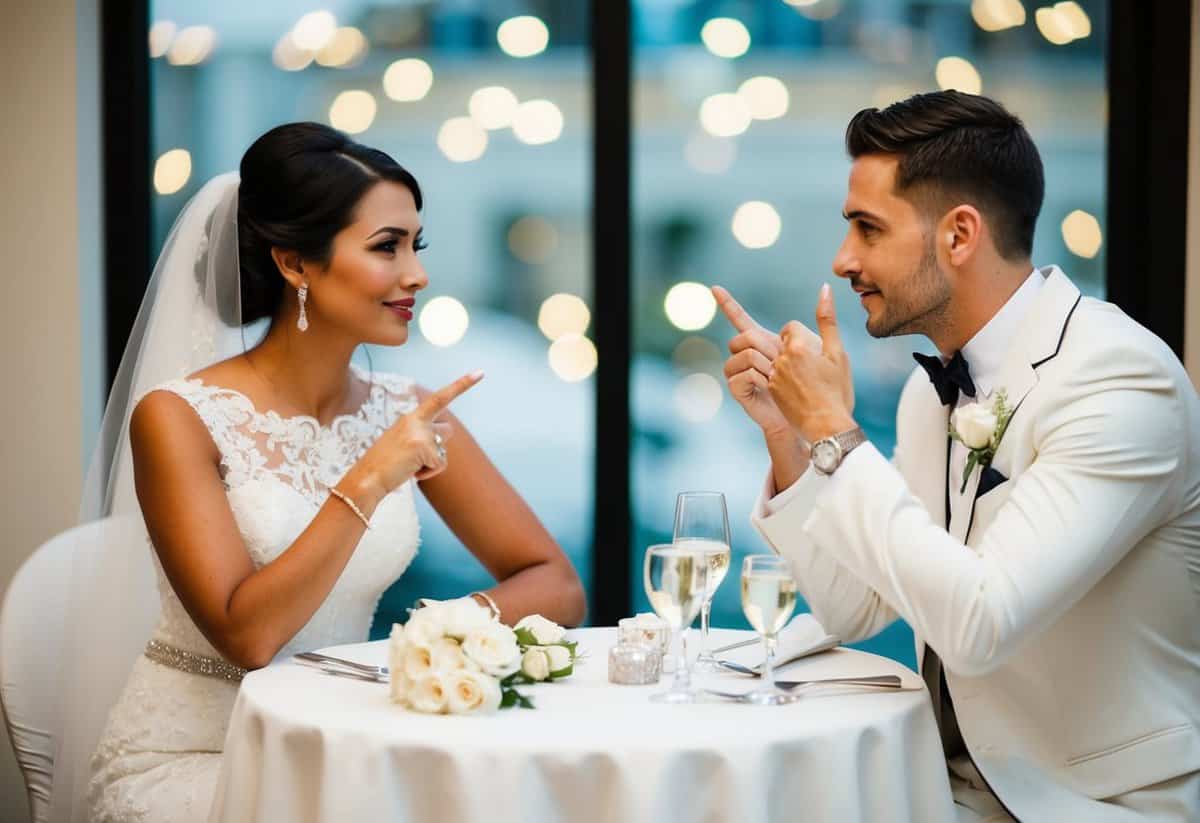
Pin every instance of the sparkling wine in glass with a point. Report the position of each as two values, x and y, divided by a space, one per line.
768 598
702 525
676 580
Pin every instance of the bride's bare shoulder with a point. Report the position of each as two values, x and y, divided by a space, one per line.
165 421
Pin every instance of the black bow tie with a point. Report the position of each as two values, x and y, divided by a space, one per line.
948 379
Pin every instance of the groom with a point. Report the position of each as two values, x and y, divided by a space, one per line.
1047 553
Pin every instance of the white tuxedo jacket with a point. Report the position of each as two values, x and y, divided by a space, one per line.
1067 615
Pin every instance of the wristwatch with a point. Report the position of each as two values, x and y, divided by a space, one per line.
829 453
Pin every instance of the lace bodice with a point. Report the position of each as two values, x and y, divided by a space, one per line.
277 471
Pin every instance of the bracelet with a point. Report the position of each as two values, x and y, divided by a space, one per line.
353 507
491 604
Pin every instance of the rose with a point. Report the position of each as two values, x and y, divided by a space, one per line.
544 631
470 691
428 694
447 656
494 649
418 662
462 616
396 649
425 626
975 425
535 664
560 660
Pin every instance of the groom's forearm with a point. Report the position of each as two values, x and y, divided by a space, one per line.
789 457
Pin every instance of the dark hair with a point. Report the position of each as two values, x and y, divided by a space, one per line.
964 147
301 183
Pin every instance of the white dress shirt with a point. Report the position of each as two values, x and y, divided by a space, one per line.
985 354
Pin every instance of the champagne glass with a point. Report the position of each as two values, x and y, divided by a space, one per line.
768 597
702 525
675 580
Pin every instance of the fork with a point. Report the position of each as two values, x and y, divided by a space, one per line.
325 660
885 681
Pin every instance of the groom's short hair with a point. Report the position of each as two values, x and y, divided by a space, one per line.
959 148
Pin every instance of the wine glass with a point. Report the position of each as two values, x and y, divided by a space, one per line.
768 597
702 525
675 580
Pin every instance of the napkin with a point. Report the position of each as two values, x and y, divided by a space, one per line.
799 638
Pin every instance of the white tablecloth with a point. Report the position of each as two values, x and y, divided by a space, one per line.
306 746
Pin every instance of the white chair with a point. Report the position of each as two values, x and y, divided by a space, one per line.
31 628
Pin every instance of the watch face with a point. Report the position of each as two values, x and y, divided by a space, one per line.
825 455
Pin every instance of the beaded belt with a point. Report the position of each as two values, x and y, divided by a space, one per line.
185 661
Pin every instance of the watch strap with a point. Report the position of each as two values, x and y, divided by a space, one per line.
851 439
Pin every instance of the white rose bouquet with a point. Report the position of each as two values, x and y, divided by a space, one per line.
455 657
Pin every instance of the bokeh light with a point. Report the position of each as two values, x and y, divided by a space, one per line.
725 37
290 57
314 30
765 97
408 80
562 314
161 35
958 73
493 107
347 48
353 111
998 15
1063 23
690 306
172 170
523 36
532 239
1081 232
443 321
462 140
756 224
537 121
192 46
724 115
573 357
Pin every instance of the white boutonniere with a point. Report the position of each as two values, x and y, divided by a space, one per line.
980 429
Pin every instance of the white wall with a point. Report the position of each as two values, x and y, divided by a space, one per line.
1191 339
48 223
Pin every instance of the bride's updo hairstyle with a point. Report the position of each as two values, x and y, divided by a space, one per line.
301 183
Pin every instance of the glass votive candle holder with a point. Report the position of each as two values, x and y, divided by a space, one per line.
634 664
645 628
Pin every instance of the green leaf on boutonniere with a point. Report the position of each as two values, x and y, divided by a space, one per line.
972 459
563 672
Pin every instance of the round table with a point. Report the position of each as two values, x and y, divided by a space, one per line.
307 746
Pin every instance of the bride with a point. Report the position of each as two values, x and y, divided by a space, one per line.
274 478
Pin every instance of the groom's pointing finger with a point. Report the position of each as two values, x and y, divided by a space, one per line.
827 325
738 317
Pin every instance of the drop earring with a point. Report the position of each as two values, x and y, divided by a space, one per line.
302 321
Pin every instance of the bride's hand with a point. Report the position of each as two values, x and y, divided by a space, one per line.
413 447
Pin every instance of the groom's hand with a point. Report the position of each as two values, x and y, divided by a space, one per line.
814 390
749 368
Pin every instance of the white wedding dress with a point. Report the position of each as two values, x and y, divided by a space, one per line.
160 753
